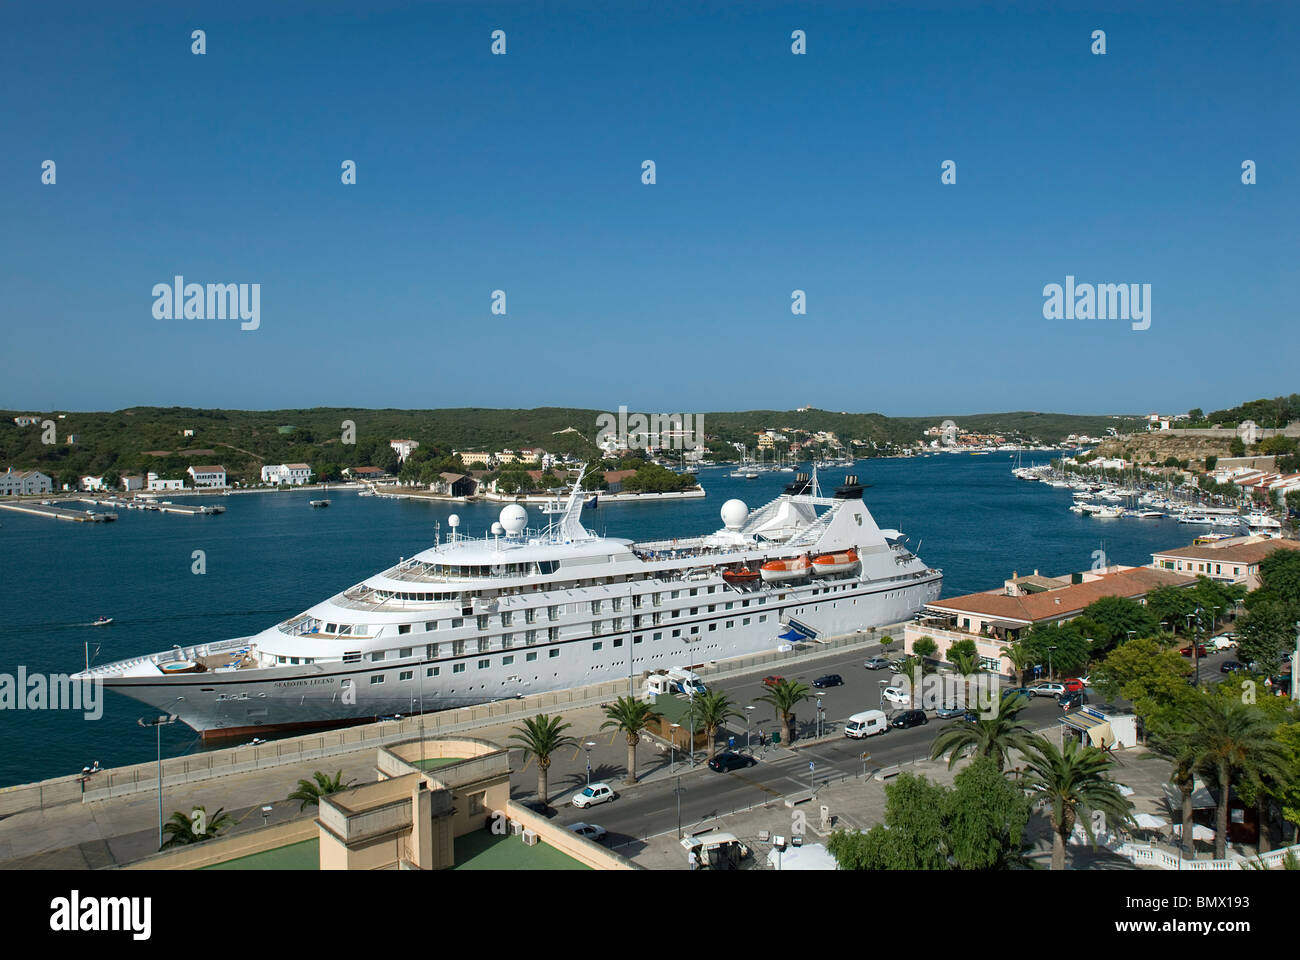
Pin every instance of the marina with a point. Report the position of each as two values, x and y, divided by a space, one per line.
47 509
166 506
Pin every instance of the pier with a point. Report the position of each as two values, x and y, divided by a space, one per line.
164 507
59 513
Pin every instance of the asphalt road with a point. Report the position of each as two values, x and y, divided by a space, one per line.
651 809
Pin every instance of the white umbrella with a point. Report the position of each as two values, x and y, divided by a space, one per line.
1198 832
1146 821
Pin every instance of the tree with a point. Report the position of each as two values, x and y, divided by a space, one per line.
1071 784
541 736
963 655
712 709
1072 648
1233 743
1176 746
1154 680
1236 447
985 815
183 829
1171 605
630 716
993 737
1116 617
915 838
1267 632
784 696
1021 659
925 647
321 785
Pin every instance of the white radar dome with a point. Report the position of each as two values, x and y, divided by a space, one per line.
514 518
734 514
497 529
453 521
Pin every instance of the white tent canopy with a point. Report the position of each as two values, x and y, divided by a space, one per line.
811 856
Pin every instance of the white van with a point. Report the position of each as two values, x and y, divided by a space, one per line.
687 682
866 724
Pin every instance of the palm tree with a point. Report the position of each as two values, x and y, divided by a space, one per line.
1177 747
1072 783
630 716
542 736
1233 742
1021 659
321 785
784 696
993 737
712 709
183 829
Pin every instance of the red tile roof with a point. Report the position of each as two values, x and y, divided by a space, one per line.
1248 553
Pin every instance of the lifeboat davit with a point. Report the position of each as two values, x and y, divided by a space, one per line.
831 563
742 576
776 570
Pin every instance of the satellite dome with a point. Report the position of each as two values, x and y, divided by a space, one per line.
453 521
514 518
734 514
497 529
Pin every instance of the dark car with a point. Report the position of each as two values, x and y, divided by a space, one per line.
905 719
1231 666
1011 692
879 663
830 680
1070 701
728 761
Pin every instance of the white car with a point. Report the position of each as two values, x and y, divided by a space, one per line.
897 696
1046 688
592 795
591 831
1226 641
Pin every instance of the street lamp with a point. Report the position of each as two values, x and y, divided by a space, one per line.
672 759
158 725
588 745
1049 660
749 710
678 790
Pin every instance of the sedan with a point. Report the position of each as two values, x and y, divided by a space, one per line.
949 711
905 719
1231 666
1070 701
772 680
594 794
1011 692
879 663
591 831
830 680
1200 650
1047 688
729 760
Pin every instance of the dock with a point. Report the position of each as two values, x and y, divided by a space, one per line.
164 507
59 513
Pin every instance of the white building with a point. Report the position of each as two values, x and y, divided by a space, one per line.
294 474
93 484
132 483
18 482
207 476
403 448
27 421
153 482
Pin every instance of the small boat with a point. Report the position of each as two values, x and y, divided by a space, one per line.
742 576
101 621
320 503
776 570
830 563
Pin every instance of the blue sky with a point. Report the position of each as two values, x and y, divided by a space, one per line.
522 173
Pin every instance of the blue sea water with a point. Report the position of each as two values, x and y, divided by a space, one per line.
272 555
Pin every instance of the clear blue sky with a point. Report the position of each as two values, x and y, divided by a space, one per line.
522 172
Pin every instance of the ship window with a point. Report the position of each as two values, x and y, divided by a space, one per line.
659 636
694 630
457 622
377 656
531 657
431 625
506 661
279 659
597 645
483 664
403 628
352 656
745 622
638 638
331 628
763 618
555 653
293 659
694 591
458 668
677 633
376 678
694 611
403 653
345 629
618 641
431 671
712 627
406 675
730 624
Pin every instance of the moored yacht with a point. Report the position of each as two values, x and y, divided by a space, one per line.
523 610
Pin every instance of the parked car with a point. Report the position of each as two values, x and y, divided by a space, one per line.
1075 684
730 760
1071 700
949 711
868 723
1231 666
1008 692
772 680
829 680
591 831
879 663
908 718
896 695
594 794
1200 650
1047 688
1224 641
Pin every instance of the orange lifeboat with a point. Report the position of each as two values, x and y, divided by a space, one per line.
776 570
831 563
742 576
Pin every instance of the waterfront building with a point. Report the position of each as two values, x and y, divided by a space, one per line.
468 457
27 421
614 479
135 482
995 618
1235 560
92 484
454 485
365 473
24 483
207 476
154 482
294 474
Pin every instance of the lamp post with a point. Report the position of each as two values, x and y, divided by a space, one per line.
1049 661
588 745
672 761
678 790
692 732
158 724
749 710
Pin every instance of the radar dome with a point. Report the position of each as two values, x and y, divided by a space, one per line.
734 514
514 518
497 529
453 521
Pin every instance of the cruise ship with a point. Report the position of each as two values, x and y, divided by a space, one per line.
527 610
